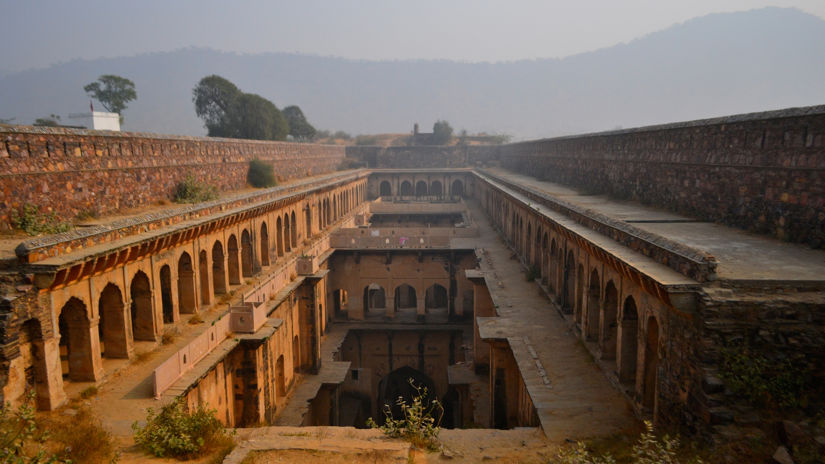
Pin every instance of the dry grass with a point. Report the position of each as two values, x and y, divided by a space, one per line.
169 338
81 437
88 392
196 319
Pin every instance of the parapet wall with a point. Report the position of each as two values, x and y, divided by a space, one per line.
75 171
429 156
763 172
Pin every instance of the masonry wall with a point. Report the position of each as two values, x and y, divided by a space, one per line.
763 172
74 171
429 156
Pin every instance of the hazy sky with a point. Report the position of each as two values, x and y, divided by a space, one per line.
38 33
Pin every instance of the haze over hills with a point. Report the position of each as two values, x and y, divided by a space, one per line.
709 66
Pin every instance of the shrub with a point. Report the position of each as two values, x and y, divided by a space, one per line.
763 382
418 425
88 392
21 440
261 174
192 190
31 221
82 437
176 432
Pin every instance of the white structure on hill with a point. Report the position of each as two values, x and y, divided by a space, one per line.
98 120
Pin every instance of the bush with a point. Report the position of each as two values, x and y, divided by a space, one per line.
419 425
21 440
191 190
648 449
762 382
31 221
176 432
82 437
261 174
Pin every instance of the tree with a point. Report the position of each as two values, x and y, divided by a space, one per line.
299 127
228 112
113 92
52 121
442 132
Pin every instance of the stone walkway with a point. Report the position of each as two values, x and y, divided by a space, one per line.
572 396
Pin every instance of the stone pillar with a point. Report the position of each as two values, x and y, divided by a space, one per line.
85 363
50 394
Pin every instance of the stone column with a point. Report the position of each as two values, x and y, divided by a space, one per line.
50 394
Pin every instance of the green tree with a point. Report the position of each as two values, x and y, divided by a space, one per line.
442 132
255 117
113 92
52 121
299 127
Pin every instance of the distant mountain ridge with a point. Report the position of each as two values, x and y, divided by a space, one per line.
710 66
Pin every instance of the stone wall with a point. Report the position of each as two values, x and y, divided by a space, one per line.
428 156
763 172
75 171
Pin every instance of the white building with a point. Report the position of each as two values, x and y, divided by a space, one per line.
98 120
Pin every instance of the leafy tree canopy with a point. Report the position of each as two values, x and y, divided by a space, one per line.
299 127
442 132
228 112
113 92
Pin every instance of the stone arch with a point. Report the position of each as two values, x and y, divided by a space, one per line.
296 354
651 365
628 341
405 297
334 209
435 298
528 248
287 234
457 189
569 285
608 328
280 236
436 189
167 305
114 333
594 290
280 380
218 271
421 188
187 300
552 267
374 298
340 302
203 270
406 189
247 255
143 320
293 229
308 220
233 257
396 385
544 267
264 244
76 357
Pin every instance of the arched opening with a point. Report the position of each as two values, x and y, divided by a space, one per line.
203 270
609 323
329 212
143 322
628 345
334 208
287 234
76 357
33 353
166 303
296 354
112 328
457 189
569 283
552 268
651 364
579 306
543 259
247 254
234 260
264 245
401 384
374 299
218 271
280 382
280 236
528 250
593 307
339 303
405 298
187 302
293 229
308 220
385 189
435 298
421 188
436 189
406 189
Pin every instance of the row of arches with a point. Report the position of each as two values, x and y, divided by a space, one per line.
404 299
422 189
606 319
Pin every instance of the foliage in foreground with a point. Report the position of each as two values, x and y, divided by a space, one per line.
31 221
176 432
261 174
191 190
21 440
418 425
648 449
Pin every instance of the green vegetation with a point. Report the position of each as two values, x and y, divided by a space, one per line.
88 392
299 128
176 432
31 221
52 121
228 112
442 132
21 439
261 174
192 190
763 382
113 92
418 425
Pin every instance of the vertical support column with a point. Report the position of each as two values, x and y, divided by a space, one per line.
50 394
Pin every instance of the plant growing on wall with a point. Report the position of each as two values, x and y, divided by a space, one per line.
261 174
191 190
419 423
177 432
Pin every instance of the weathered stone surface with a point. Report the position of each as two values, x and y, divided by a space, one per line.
781 456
